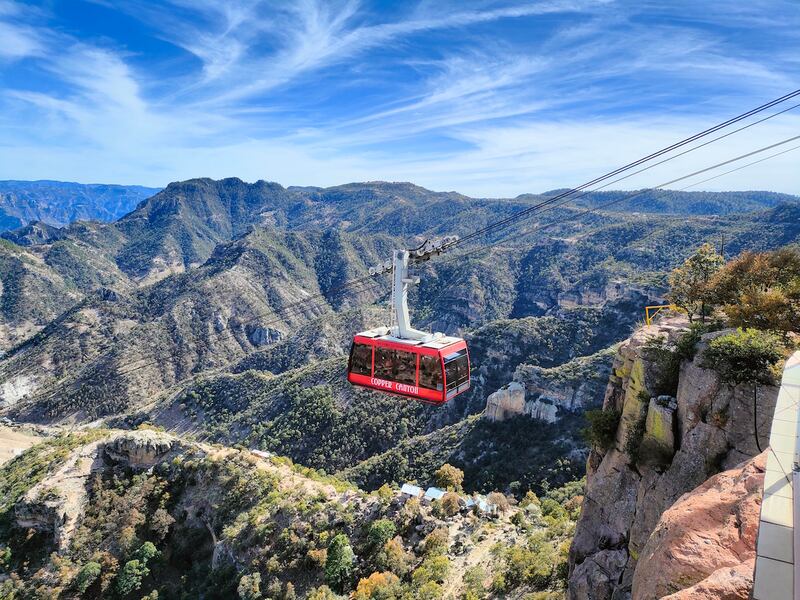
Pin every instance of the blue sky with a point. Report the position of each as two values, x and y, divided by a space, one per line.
489 98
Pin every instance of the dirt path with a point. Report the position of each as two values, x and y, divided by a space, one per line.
14 441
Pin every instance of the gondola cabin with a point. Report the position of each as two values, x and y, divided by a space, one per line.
434 371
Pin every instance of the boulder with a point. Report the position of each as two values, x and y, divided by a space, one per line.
506 402
704 545
595 579
728 583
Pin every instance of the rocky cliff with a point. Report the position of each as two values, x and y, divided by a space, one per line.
547 394
707 539
665 446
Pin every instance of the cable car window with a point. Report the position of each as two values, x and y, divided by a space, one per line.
361 359
456 369
396 365
405 367
430 372
384 363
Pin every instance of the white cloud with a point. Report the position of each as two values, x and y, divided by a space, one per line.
488 117
17 41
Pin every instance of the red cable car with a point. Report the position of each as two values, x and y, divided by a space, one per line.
400 360
434 371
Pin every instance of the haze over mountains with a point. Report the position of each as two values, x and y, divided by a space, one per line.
59 203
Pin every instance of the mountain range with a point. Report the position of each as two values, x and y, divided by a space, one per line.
213 312
174 312
59 203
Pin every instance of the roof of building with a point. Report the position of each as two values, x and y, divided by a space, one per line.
434 493
410 489
485 505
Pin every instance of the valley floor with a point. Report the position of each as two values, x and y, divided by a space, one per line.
14 441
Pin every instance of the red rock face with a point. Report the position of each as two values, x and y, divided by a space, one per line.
704 545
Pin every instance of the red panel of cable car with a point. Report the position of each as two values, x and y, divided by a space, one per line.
435 372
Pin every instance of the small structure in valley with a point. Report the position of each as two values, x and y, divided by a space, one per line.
409 490
433 493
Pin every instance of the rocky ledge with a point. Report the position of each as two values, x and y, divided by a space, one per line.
139 449
704 546
55 505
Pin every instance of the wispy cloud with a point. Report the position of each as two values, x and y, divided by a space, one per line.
17 41
487 97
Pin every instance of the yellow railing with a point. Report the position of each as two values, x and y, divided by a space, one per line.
649 316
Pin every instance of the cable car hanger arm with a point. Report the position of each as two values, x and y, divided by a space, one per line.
400 281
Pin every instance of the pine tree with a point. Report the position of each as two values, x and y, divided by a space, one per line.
339 565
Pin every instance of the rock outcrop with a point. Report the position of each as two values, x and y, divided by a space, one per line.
56 504
139 449
682 442
611 291
547 393
506 402
542 409
704 545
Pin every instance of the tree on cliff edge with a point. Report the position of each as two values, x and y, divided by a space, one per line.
689 283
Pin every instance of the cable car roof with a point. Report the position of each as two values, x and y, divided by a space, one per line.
436 343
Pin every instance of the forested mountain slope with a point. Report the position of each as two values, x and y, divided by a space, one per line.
166 313
115 514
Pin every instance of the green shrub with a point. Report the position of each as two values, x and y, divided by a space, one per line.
686 346
474 582
449 477
380 532
529 566
394 558
130 578
339 564
433 568
447 506
636 430
745 356
250 587
602 428
322 593
551 508
436 542
146 553
430 591
87 576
